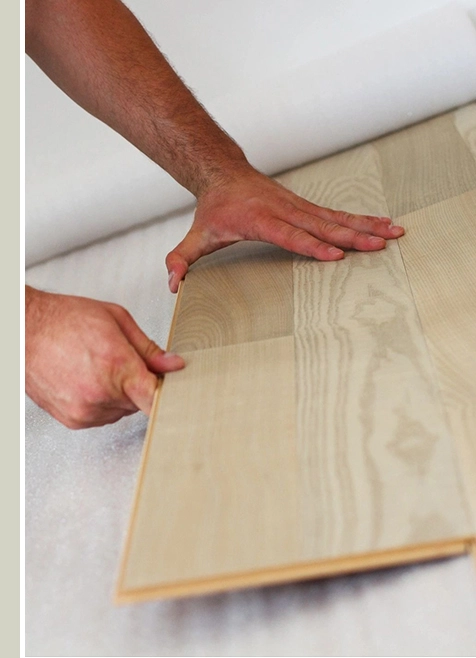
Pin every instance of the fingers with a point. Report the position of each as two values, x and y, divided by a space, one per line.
91 419
297 240
341 229
139 388
137 379
155 358
378 226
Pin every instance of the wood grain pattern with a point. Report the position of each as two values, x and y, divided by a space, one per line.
222 303
307 435
425 164
350 181
465 122
218 489
303 571
439 252
369 419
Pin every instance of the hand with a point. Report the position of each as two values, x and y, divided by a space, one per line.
87 362
255 207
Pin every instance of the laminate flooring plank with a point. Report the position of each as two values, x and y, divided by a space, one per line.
307 435
218 493
439 252
378 467
239 294
424 164
465 122
349 181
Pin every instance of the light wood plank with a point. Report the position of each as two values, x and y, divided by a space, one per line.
425 164
349 181
377 461
218 489
439 252
304 571
465 122
317 449
222 303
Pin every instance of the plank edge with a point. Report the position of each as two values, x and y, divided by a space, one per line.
145 450
297 572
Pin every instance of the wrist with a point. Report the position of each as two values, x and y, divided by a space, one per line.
224 174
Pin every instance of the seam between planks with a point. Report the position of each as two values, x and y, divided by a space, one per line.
454 443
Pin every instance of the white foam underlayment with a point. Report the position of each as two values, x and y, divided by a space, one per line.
78 498
79 488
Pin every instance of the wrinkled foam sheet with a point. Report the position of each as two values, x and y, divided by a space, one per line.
79 488
100 184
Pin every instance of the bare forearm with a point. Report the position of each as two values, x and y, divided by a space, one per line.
100 55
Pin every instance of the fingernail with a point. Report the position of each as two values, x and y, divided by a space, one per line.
336 252
175 359
397 230
385 219
375 240
172 283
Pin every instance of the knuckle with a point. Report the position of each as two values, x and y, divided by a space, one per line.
333 230
266 229
252 207
140 387
330 228
290 209
359 236
120 312
291 234
79 416
344 217
152 349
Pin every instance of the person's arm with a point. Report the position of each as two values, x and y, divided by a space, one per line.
101 56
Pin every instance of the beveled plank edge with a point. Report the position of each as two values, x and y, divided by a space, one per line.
145 450
433 205
175 313
305 571
458 453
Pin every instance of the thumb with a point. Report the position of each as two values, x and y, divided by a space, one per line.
139 387
154 357
185 254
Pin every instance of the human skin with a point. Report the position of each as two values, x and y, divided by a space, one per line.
88 363
99 54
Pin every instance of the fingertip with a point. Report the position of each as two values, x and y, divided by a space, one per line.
397 231
377 242
173 282
171 361
335 253
177 268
